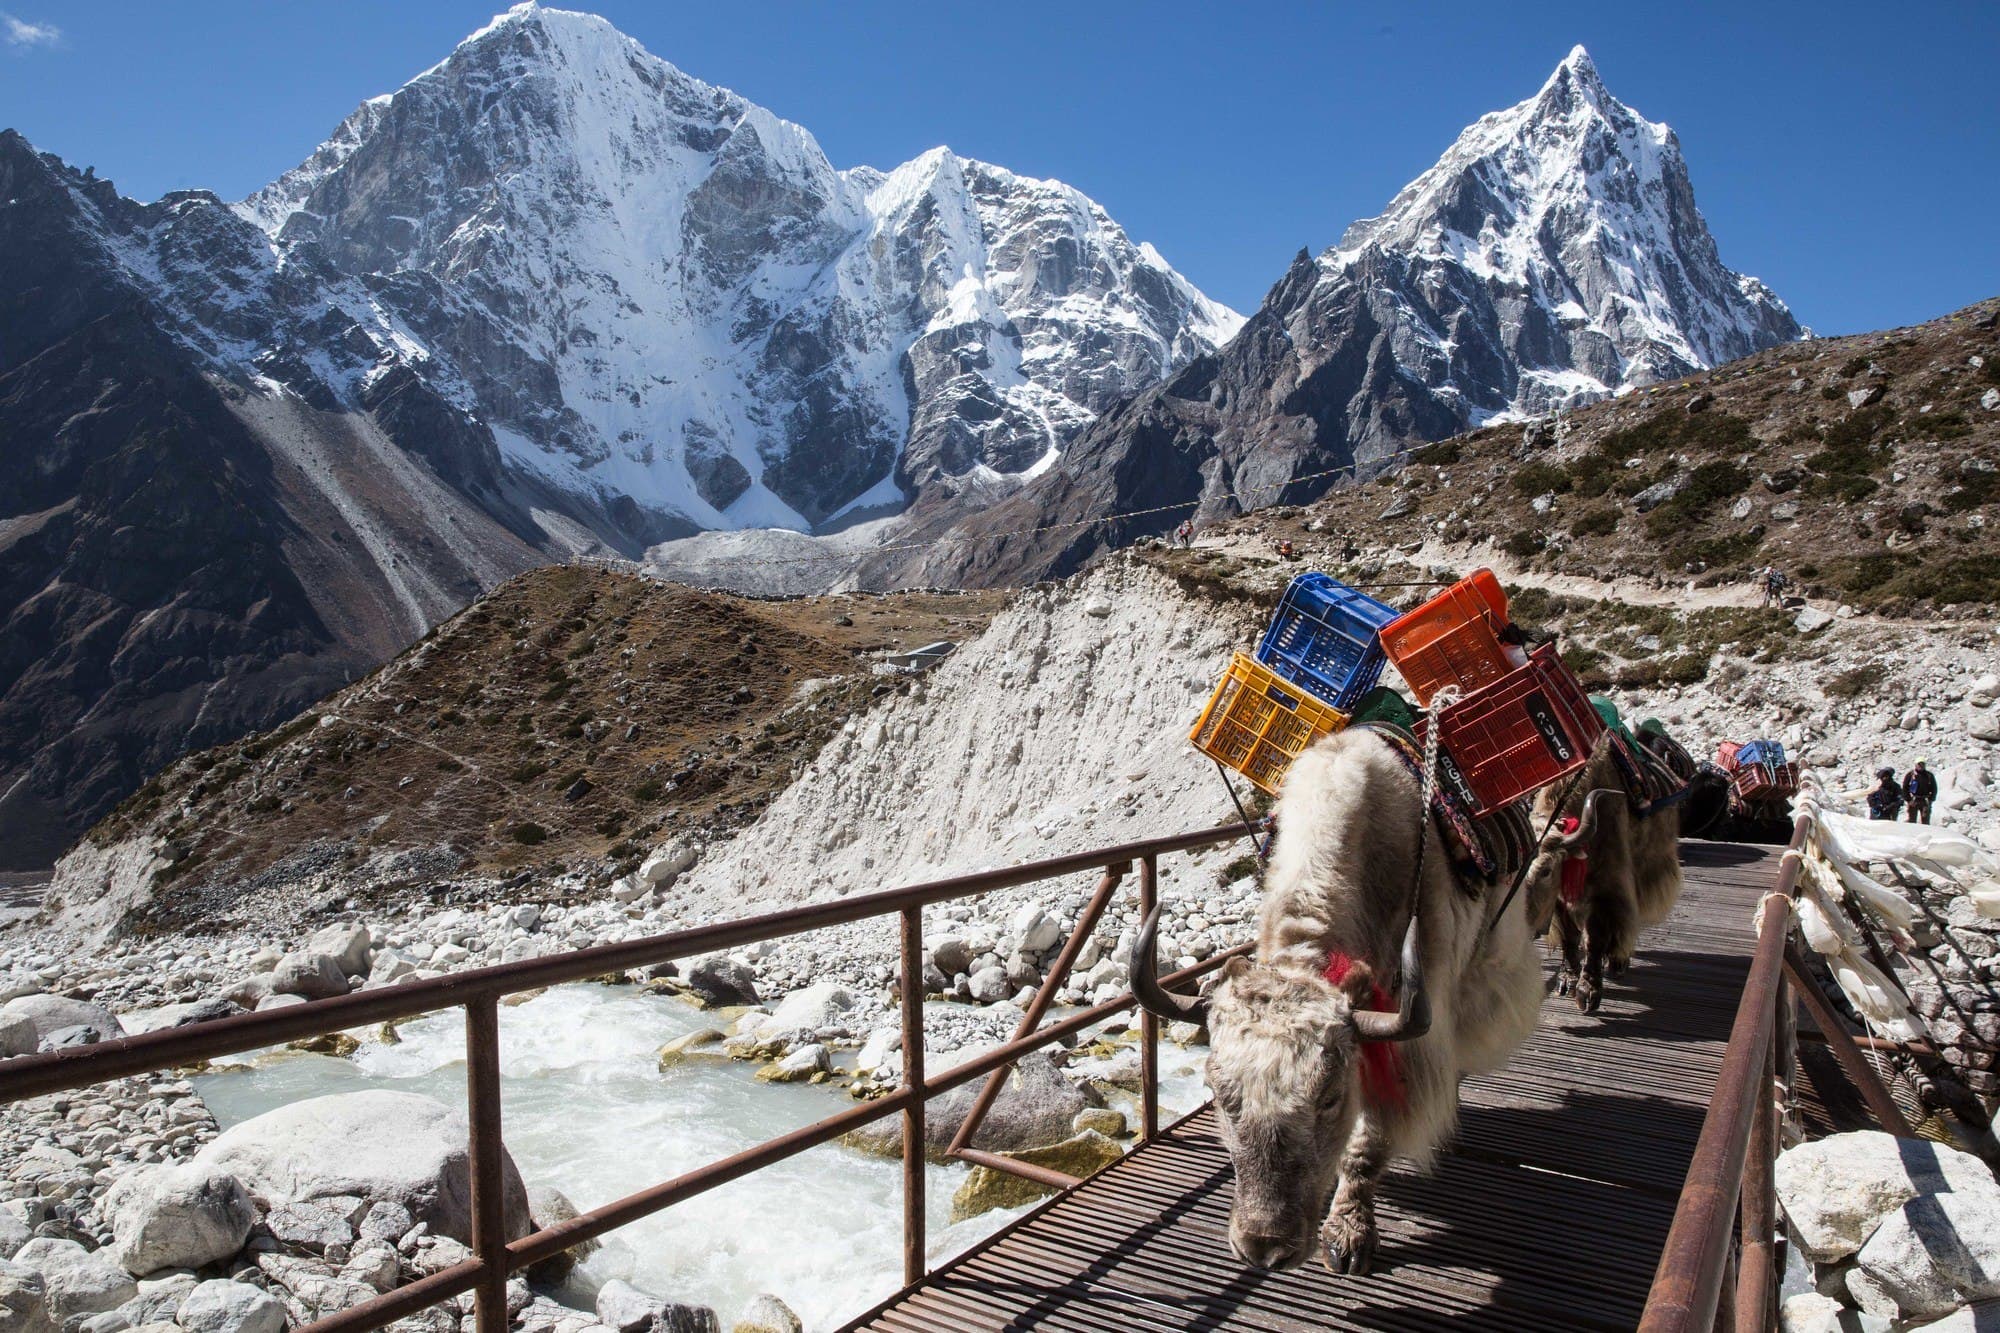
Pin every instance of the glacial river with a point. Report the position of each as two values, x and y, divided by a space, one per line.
587 1110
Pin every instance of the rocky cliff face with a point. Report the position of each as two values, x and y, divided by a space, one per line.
662 296
1552 256
184 558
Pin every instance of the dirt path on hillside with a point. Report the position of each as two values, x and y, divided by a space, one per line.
1631 591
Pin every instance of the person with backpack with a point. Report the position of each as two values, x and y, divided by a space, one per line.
1886 801
1920 793
1774 586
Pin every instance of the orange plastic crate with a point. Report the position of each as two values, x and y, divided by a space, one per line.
1453 639
1533 727
1257 722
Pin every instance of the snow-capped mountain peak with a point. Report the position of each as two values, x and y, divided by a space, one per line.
1574 214
1553 255
660 294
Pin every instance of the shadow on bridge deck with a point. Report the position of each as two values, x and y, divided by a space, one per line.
1548 1213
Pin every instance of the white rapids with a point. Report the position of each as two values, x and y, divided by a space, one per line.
586 1110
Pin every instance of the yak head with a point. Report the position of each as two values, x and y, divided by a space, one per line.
1283 1047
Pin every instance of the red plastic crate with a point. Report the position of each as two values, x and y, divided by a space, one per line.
1725 755
1532 727
1453 639
1766 782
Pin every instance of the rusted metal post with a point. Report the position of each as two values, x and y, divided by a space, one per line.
913 1082
1725 1300
1841 1042
489 1155
1688 1283
1757 1278
1149 1024
1051 984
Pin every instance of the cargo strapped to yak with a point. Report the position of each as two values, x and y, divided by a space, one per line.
1490 847
1654 780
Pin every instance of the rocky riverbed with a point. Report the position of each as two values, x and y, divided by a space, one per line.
739 1023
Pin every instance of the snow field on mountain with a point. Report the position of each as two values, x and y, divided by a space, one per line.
701 287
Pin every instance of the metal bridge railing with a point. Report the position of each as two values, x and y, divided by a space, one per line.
478 992
1719 1268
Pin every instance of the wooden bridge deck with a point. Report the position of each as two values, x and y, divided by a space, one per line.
1548 1213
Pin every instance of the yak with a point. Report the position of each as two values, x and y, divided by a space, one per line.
1320 1077
1624 874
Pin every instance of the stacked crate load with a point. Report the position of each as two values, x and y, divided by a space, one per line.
1520 722
1319 656
1758 771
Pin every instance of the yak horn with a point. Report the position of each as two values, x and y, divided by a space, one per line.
1586 821
1413 1018
1152 996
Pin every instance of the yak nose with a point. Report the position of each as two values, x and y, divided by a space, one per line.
1267 1251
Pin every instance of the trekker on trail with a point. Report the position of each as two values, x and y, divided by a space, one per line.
1920 791
1774 586
1185 533
1886 801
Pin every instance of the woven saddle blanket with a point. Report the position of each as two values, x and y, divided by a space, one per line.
1490 847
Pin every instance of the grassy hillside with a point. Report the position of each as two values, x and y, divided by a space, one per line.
568 721
1864 467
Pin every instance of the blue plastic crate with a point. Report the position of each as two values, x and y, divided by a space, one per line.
1324 639
1761 752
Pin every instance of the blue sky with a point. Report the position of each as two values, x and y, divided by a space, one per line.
1848 154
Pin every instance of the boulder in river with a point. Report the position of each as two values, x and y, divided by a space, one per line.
551 1206
1035 1108
693 1043
625 1308
985 1188
376 1145
767 1314
801 1066
719 980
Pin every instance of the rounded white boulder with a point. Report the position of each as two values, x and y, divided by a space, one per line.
316 976
181 1216
222 1306
378 1145
347 943
1836 1190
24 1300
50 1014
79 1283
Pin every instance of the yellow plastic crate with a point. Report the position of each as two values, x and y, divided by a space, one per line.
1257 722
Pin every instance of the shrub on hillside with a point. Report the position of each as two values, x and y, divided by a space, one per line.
1540 479
1597 522
1707 486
